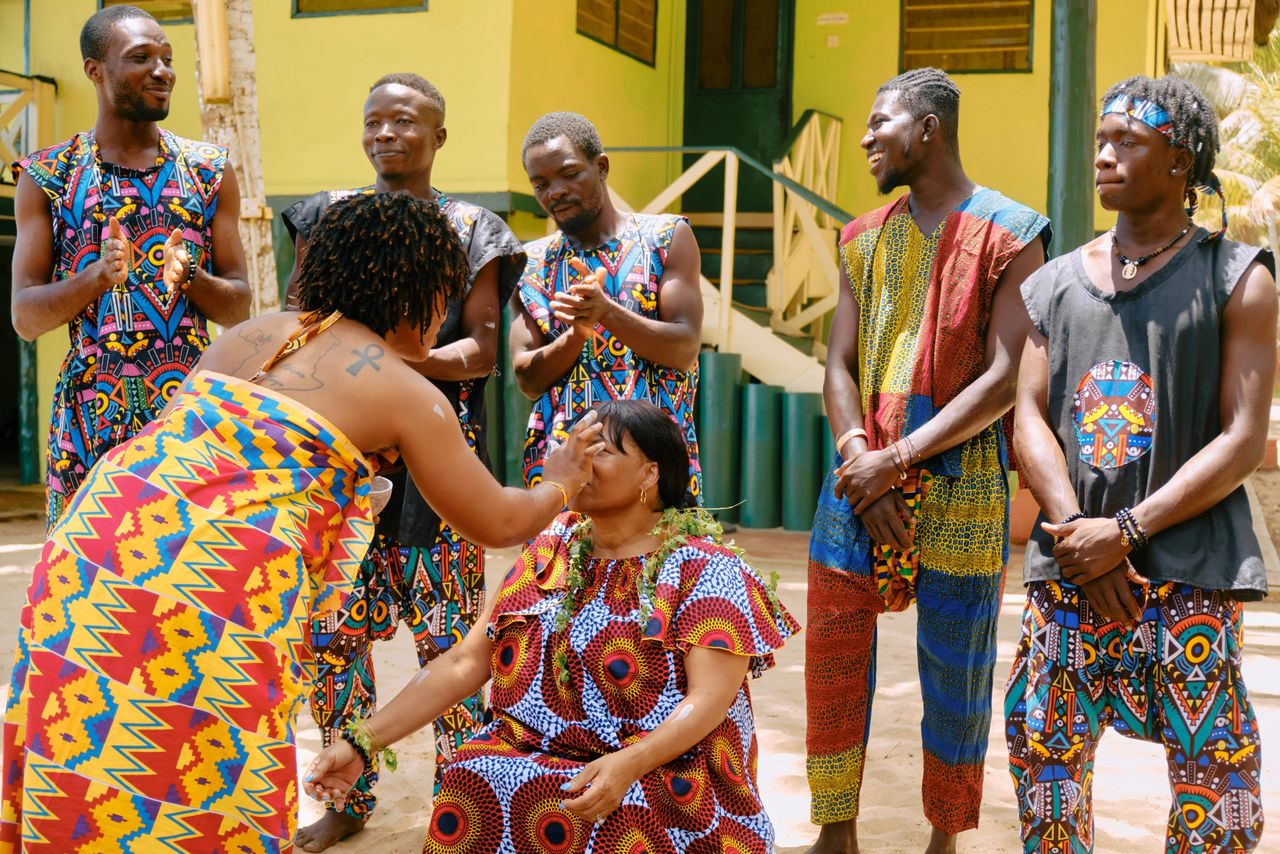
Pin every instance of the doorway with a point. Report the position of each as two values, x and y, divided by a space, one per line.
738 91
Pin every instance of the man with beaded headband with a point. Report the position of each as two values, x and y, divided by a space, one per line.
119 239
1143 404
419 570
921 366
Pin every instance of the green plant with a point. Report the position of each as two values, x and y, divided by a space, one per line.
1246 98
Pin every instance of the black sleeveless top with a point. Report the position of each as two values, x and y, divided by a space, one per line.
1134 381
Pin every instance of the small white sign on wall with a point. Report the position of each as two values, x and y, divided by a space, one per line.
832 19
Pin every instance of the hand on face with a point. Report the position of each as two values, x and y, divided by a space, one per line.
570 464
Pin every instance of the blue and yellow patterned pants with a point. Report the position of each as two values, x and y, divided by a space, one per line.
1174 680
439 593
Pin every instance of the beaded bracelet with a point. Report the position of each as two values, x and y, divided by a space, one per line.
1132 534
1072 518
360 735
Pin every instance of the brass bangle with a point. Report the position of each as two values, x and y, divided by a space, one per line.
375 745
564 493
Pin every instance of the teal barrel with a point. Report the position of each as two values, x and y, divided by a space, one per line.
802 425
719 442
761 455
828 446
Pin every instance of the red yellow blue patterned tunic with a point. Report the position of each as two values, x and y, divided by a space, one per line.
133 346
608 369
502 792
161 651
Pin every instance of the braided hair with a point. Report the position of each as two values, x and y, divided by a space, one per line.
383 258
1195 126
925 91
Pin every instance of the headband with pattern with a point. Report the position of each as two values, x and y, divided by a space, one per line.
1155 116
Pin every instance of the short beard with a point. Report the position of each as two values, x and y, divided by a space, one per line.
580 221
891 179
132 108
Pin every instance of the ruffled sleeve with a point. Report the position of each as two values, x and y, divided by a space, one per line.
708 596
541 569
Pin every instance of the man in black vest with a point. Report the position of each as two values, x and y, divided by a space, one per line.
1143 401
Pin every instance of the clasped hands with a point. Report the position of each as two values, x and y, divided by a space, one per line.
1091 554
114 259
585 304
866 480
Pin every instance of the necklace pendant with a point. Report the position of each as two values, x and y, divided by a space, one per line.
1130 270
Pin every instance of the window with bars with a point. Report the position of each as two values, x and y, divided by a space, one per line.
966 35
627 25
307 8
164 11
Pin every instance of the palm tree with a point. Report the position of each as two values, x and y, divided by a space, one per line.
1246 98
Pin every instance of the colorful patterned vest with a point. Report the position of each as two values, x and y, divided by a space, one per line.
634 261
133 346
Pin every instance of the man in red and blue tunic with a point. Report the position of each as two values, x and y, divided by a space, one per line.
610 306
118 239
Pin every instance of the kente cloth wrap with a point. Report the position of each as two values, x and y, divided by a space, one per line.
924 306
633 261
1173 680
419 571
162 648
132 347
502 793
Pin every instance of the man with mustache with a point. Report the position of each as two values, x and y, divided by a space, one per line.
418 570
921 365
118 238
610 306
1143 404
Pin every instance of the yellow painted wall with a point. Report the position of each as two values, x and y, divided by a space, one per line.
1004 118
630 103
314 74
11 35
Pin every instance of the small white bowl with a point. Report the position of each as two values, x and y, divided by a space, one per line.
379 494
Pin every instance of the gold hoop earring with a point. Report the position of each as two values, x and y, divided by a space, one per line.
644 496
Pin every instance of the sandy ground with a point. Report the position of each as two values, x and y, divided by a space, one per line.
1130 791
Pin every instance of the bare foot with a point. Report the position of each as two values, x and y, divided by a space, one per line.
941 843
334 827
838 838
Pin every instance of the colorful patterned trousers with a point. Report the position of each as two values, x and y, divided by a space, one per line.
1174 680
439 593
962 541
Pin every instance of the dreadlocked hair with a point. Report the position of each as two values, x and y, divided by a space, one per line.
383 258
929 90
1195 126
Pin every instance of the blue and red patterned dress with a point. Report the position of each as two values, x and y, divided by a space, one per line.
634 261
502 793
131 348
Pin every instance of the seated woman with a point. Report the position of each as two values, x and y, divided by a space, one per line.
619 647
161 649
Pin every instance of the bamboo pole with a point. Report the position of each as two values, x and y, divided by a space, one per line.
229 116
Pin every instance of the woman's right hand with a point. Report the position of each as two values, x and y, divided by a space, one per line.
333 772
569 464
